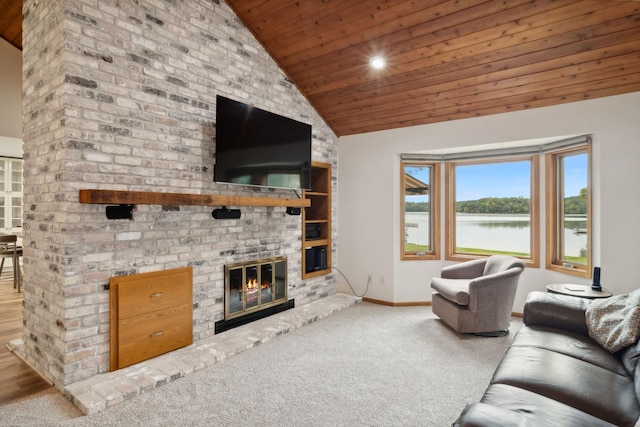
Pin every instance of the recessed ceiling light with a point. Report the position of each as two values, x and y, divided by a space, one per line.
378 62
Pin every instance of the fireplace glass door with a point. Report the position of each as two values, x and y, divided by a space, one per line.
254 285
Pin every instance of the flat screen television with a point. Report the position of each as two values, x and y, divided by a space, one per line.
259 148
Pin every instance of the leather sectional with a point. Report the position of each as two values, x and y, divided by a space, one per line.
553 374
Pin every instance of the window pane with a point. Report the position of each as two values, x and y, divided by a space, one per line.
16 212
2 213
573 209
493 208
16 186
16 176
10 193
568 211
3 168
417 209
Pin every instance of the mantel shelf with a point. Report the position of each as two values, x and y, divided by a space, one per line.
179 199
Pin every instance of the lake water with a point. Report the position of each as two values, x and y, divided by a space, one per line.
495 232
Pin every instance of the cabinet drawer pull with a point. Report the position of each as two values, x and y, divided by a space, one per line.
157 334
156 295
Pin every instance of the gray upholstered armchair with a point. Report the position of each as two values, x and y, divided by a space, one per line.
477 296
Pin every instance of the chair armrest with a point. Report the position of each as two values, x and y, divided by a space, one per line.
465 270
495 290
556 311
483 415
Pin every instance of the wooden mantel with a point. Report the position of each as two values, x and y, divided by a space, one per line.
179 199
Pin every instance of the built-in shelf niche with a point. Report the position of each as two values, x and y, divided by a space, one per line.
316 223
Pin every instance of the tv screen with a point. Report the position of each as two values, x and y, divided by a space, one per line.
256 147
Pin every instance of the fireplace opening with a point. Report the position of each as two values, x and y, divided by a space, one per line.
254 290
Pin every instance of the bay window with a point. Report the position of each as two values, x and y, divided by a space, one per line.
492 204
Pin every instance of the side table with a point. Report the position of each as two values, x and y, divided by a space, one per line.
582 291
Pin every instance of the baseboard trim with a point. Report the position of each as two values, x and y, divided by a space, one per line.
414 304
397 304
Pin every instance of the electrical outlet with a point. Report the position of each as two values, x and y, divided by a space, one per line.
382 280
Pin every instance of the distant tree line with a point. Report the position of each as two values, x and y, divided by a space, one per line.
576 204
416 207
497 205
504 205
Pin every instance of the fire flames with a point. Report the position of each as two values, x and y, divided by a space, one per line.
252 288
252 284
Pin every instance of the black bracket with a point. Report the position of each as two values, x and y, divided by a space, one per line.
120 212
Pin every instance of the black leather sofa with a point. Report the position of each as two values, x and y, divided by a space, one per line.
553 374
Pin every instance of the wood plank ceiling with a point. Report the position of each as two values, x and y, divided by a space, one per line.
11 22
446 60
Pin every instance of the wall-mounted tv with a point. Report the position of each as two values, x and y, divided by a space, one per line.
256 147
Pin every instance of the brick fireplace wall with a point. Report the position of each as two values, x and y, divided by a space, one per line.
121 95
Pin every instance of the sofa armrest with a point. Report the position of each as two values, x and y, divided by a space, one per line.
483 415
556 311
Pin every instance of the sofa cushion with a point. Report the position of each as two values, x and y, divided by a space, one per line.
570 381
630 358
542 410
482 415
571 344
455 290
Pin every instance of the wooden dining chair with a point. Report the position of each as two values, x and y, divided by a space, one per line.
9 249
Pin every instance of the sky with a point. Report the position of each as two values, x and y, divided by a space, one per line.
510 179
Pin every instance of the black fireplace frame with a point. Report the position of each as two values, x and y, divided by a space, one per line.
225 325
235 316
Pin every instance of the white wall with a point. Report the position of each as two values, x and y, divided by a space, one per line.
10 147
369 197
10 93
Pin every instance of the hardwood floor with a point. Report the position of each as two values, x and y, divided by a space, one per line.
16 378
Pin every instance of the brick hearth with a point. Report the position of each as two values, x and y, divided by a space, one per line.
106 390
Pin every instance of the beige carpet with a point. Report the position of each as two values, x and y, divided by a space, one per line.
368 365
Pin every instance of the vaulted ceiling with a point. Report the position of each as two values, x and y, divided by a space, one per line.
446 60
11 22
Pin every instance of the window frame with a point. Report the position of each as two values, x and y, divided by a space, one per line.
450 208
434 207
554 194
8 194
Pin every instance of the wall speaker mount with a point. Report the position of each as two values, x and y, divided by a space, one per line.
224 213
293 211
119 212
